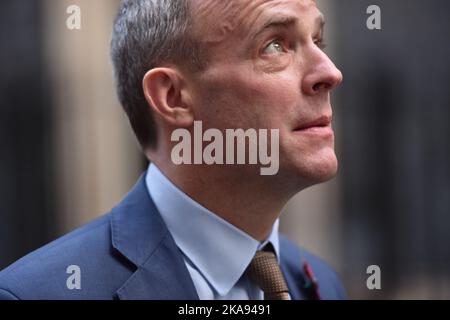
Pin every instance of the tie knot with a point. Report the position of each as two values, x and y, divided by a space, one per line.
265 271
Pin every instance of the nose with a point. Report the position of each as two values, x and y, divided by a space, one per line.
321 76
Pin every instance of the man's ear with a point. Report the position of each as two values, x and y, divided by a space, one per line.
167 96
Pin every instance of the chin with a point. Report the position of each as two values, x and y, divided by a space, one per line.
325 171
317 168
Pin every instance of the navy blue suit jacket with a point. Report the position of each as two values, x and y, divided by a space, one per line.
130 254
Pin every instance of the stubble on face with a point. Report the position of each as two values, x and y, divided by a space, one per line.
251 90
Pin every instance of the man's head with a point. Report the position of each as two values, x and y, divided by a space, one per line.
146 34
238 64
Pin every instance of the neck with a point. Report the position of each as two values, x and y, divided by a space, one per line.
239 195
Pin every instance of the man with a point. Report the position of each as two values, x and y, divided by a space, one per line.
205 231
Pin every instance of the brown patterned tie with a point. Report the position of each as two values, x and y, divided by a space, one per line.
266 273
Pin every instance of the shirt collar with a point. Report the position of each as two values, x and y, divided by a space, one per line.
220 251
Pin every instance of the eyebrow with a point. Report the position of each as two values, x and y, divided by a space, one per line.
276 22
287 21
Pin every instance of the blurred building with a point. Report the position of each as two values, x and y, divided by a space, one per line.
67 153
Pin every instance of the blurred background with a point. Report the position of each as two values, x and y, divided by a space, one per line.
67 154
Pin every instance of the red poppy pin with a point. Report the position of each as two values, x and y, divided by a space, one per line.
311 285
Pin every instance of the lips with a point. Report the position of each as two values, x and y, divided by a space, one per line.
321 122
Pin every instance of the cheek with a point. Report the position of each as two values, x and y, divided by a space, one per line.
278 103
227 102
282 95
247 100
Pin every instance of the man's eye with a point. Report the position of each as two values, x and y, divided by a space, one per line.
321 44
274 47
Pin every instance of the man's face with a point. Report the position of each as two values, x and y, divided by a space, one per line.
266 70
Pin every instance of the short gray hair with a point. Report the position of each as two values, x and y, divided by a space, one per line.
147 33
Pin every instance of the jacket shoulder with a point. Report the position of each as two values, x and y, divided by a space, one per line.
48 272
295 257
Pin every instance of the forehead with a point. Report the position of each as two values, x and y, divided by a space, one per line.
217 19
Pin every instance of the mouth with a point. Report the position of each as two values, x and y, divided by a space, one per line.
320 126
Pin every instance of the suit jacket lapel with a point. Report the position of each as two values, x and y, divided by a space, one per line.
139 233
162 277
295 284
291 262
